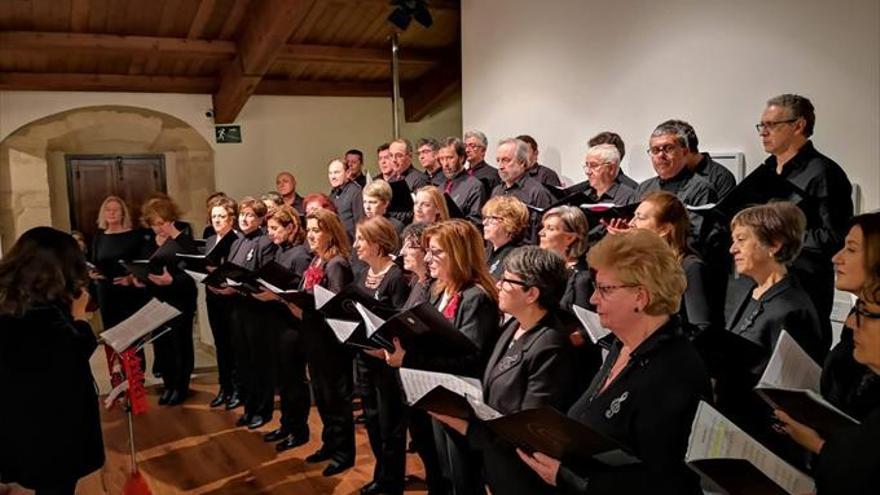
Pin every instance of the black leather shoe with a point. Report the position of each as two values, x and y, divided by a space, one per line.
320 455
163 399
337 467
243 420
257 421
291 442
233 401
177 397
372 488
219 400
275 435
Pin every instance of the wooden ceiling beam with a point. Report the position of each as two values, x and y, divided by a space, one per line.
111 43
26 81
322 88
422 96
432 4
345 54
203 15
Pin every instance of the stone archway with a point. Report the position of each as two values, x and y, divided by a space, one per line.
33 179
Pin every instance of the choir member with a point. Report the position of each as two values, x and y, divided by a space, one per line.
764 301
427 149
847 459
116 240
252 341
512 156
355 160
429 206
613 138
317 200
285 231
647 391
208 231
475 145
505 220
465 293
272 200
663 213
285 185
50 428
375 241
377 197
413 252
467 192
401 154
329 362
530 367
224 212
543 174
564 232
174 350
387 171
345 194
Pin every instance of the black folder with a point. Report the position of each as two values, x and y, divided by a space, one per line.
736 477
441 400
193 262
424 330
200 244
726 352
342 305
236 273
575 200
454 210
141 269
561 192
804 409
278 276
401 197
109 270
220 250
596 213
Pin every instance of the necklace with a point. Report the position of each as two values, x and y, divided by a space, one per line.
374 279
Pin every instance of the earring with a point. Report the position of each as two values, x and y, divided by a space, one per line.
636 309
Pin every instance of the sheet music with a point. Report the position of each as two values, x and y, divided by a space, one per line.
198 277
272 288
115 393
193 256
592 324
371 321
790 367
417 383
715 437
143 321
707 206
342 329
322 296
598 206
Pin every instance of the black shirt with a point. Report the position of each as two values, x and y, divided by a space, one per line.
360 180
578 288
349 205
181 293
697 312
495 257
619 194
690 188
625 180
392 291
118 302
648 408
252 251
533 194
294 257
415 178
849 385
437 178
716 174
469 195
486 173
545 175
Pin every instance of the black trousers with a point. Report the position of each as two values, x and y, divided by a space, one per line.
220 319
255 339
294 386
421 430
174 352
461 465
330 368
60 489
384 412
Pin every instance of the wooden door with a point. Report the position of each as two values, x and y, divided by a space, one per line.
91 178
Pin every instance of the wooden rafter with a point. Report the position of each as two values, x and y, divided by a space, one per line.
423 95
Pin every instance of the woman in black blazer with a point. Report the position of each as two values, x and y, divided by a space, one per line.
50 428
564 231
646 393
329 362
848 460
465 293
505 220
531 365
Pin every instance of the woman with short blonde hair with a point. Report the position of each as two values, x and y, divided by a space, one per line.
505 220
564 230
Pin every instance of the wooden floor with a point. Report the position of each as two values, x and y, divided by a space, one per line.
193 449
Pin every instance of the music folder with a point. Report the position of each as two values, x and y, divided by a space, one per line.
193 262
231 275
141 269
341 305
277 278
351 333
401 197
452 207
598 212
729 458
421 329
570 200
151 316
790 382
562 192
725 352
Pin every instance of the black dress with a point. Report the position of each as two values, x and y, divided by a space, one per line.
50 429
648 408
220 315
118 302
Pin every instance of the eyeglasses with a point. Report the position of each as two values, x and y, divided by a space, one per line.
605 290
434 253
491 218
592 167
664 150
471 146
510 282
861 312
770 125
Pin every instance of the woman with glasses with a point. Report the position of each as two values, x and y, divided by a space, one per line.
564 232
465 293
663 213
847 460
530 367
505 220
765 300
646 393
429 206
413 253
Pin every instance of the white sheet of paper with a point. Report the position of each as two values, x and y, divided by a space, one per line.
598 206
150 317
198 277
790 367
322 296
590 321
715 437
115 393
342 328
707 206
371 321
193 256
272 288
417 383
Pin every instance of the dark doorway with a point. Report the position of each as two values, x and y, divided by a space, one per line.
91 178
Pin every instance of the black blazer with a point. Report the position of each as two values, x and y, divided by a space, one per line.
697 311
477 318
849 462
579 288
848 384
50 428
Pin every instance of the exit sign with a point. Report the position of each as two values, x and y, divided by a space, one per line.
227 134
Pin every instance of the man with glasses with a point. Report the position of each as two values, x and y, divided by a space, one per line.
475 143
401 153
608 137
427 149
702 164
466 192
785 129
601 167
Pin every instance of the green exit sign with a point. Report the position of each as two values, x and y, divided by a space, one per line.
227 134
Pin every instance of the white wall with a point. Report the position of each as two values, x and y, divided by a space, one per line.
279 133
563 70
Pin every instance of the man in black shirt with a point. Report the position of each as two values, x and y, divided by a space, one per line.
401 153
702 164
542 174
786 127
602 165
427 149
386 163
346 196
466 192
608 137
355 161
512 157
285 184
475 143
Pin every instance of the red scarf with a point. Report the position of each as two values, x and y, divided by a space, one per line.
137 396
452 306
314 274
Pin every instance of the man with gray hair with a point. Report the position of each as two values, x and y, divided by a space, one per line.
785 129
427 149
475 144
702 164
512 157
601 166
467 192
